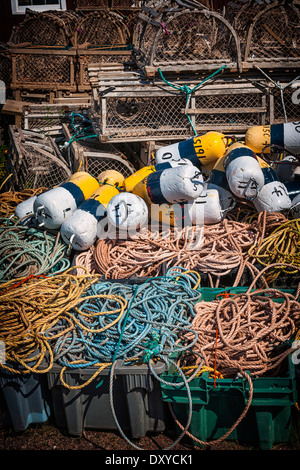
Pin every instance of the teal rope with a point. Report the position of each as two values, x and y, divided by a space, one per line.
188 91
26 250
158 311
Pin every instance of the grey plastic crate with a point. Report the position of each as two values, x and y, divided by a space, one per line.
136 400
26 399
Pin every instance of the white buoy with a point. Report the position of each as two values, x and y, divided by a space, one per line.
243 171
80 229
273 196
208 207
25 208
171 186
54 206
127 211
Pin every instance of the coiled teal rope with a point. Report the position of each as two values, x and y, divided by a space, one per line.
26 251
158 312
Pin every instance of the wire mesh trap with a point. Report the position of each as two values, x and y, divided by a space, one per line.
51 28
273 36
101 28
45 69
195 37
86 152
34 160
133 107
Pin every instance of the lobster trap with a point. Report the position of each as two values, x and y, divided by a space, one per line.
48 119
34 160
90 155
5 67
104 29
51 28
87 58
43 69
273 38
188 38
128 106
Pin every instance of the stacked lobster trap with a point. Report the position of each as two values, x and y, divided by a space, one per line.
35 160
101 37
43 58
196 69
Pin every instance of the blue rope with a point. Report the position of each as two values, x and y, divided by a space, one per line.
158 311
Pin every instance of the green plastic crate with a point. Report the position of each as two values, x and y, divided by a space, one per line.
218 404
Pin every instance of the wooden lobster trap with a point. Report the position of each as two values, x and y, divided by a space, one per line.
87 58
48 119
273 37
129 107
93 156
43 68
186 38
5 66
101 28
50 28
34 160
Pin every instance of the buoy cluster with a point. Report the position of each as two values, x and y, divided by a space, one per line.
199 180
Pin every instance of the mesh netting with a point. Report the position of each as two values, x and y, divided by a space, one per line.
146 116
193 37
290 104
40 69
275 35
46 29
34 162
231 118
102 28
37 171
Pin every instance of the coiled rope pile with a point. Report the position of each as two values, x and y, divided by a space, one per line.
248 331
26 251
147 320
10 199
28 308
216 250
280 247
80 321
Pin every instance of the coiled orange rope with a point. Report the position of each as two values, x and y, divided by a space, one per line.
223 247
253 328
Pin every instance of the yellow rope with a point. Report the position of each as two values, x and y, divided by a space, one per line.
281 246
31 306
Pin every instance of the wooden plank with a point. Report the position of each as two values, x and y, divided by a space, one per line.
14 107
261 109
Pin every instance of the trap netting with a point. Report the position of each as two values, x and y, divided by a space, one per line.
185 36
51 28
102 28
34 161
